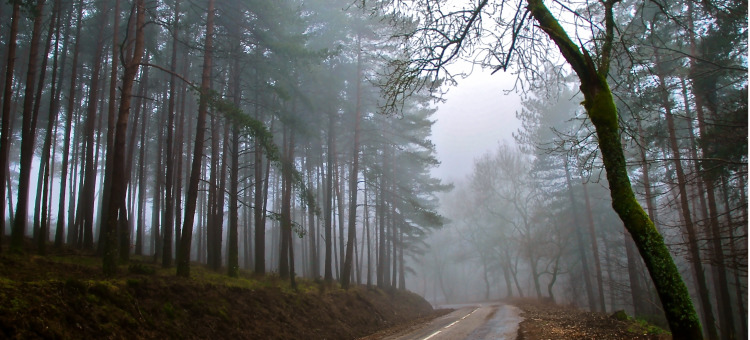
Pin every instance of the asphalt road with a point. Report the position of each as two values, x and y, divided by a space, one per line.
470 322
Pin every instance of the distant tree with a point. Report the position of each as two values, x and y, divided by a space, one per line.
551 136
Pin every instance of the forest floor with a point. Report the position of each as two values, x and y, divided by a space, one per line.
65 296
545 320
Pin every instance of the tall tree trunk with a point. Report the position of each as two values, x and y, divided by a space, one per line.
140 215
285 261
111 121
328 208
260 228
168 218
734 252
28 134
367 233
186 237
266 183
720 274
721 282
76 183
514 271
693 247
581 244
68 127
382 266
395 229
233 265
401 270
220 199
610 275
140 110
233 252
119 174
646 177
7 96
533 261
710 211
506 277
594 249
338 189
157 192
179 137
353 176
247 220
213 184
86 197
314 262
203 213
636 291
42 235
51 124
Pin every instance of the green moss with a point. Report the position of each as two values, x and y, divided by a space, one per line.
169 310
17 305
620 315
6 283
134 283
88 261
139 268
222 313
93 298
641 326
105 289
75 285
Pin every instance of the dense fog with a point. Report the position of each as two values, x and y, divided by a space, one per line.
296 138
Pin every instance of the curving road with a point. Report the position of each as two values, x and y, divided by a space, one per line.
470 322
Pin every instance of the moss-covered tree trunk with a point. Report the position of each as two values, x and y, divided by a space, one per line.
600 107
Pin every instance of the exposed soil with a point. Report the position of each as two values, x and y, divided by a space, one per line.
545 320
66 297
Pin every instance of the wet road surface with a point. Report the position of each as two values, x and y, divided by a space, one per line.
470 322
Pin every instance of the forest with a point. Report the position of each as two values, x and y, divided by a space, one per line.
293 138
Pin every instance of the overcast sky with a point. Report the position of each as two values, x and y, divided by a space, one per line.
476 116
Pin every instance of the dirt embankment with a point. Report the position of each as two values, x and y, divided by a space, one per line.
67 298
545 320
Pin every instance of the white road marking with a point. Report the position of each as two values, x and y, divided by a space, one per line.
431 335
453 323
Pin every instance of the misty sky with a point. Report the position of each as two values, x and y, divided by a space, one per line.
476 116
